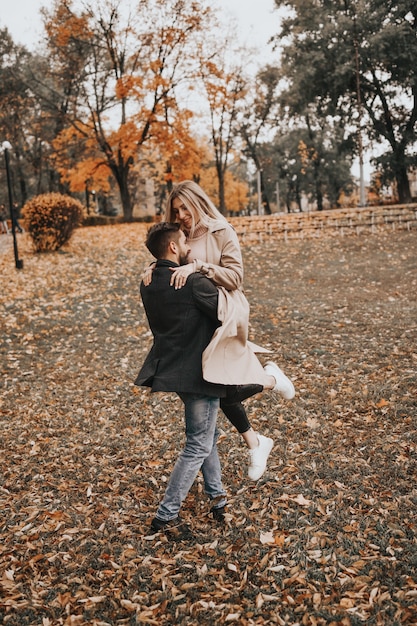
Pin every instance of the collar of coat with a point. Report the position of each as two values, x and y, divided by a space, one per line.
217 224
166 263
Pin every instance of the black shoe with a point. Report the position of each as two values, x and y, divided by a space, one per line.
173 527
160 524
219 513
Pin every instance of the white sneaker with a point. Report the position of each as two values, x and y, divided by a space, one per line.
259 457
282 384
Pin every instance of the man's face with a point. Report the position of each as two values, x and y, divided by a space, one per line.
183 249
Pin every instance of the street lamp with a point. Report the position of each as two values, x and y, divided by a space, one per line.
6 147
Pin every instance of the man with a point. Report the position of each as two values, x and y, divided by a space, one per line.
182 322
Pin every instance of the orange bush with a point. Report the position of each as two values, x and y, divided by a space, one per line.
50 219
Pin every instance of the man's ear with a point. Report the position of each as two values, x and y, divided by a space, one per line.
172 247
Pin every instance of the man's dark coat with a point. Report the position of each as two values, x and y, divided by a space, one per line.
182 322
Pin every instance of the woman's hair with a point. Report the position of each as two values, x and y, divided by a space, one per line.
196 200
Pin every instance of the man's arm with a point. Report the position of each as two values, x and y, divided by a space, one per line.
205 295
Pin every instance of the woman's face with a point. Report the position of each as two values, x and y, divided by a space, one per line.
181 214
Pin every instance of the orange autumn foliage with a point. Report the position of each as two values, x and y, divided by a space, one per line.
236 190
78 161
51 219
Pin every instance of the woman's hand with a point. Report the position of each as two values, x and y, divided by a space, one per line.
180 275
147 275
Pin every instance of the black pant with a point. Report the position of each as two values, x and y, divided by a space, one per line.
233 408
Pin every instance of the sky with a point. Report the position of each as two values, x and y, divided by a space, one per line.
257 21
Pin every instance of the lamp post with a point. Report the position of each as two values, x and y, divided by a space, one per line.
6 147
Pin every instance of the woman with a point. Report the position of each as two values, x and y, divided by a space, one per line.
229 359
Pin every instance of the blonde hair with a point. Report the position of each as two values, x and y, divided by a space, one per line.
196 200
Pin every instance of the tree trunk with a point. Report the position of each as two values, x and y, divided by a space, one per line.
121 174
168 172
298 196
319 195
254 156
316 167
222 200
22 186
403 185
265 200
126 201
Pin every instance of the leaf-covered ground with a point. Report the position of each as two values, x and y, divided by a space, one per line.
327 536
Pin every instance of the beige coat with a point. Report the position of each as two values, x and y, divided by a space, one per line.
229 358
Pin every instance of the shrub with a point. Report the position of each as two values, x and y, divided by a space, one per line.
100 220
50 219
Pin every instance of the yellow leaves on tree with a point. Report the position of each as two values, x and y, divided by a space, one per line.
236 191
78 160
307 155
66 26
125 140
129 86
88 172
176 153
117 79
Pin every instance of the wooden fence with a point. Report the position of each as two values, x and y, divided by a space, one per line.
258 228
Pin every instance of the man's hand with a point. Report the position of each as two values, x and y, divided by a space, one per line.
180 275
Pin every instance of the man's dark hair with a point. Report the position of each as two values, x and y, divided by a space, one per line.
159 237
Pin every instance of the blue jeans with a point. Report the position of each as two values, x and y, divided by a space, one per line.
200 452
